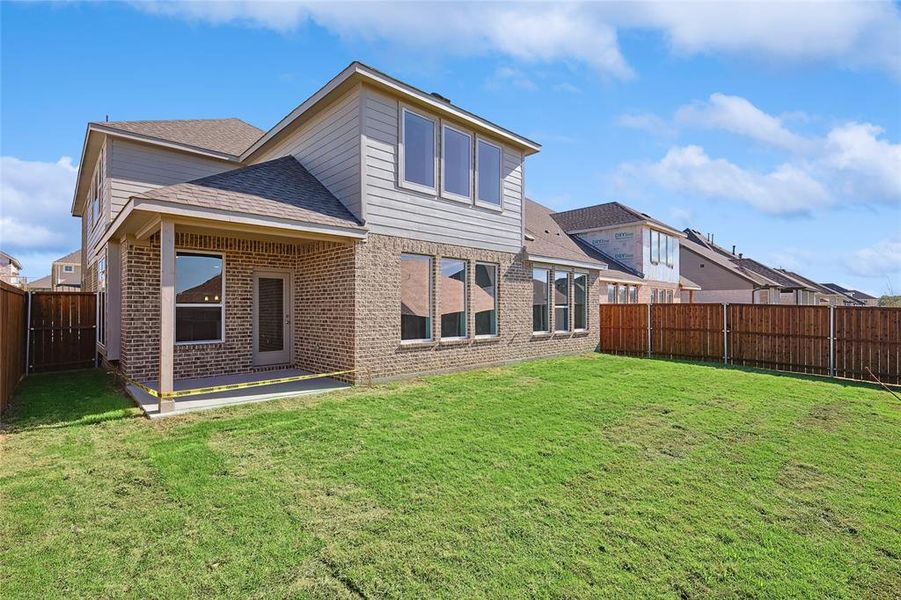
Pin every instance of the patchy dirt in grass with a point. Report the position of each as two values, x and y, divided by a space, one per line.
828 416
657 433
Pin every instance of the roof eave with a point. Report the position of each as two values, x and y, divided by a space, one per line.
566 262
357 70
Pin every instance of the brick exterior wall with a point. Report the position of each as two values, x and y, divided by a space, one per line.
322 280
346 310
379 351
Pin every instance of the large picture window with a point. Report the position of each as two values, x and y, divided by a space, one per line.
199 297
580 301
415 297
488 173
456 163
655 247
418 134
561 301
452 296
484 301
540 307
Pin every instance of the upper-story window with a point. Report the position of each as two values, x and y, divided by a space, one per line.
488 173
68 268
418 135
663 248
456 164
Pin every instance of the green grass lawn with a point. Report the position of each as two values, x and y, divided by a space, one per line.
591 476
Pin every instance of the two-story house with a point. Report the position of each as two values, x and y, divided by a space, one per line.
639 246
9 270
376 228
726 276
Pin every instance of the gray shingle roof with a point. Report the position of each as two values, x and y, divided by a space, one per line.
276 188
603 215
549 239
229 136
855 294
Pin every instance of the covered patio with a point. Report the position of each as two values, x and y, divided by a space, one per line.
245 395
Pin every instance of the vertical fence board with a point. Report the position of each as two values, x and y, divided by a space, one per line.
63 330
13 307
779 337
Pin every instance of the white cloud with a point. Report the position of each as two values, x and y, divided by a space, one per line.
880 260
852 163
504 78
873 164
645 121
850 34
784 190
682 217
34 220
738 115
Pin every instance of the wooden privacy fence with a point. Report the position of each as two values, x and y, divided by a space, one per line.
12 340
63 331
836 341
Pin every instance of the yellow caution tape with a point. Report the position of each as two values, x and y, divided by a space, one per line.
231 386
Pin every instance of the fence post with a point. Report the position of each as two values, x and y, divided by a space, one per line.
831 340
28 336
725 333
649 330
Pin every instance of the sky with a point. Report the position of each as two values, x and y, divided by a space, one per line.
774 127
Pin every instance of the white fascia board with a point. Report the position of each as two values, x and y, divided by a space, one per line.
563 262
384 81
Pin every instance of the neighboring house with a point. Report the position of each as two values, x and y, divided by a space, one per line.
856 297
636 244
725 276
376 227
9 270
42 284
66 273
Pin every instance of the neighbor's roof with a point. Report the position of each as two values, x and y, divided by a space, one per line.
688 284
546 239
600 216
12 259
854 294
783 280
813 285
725 262
43 283
70 258
228 136
277 188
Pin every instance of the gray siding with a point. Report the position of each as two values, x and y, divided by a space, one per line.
135 168
396 211
328 145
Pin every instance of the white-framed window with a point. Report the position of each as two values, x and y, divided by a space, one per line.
580 301
669 296
655 246
654 296
611 293
418 156
621 294
670 250
633 294
540 305
199 297
415 298
485 299
489 158
68 268
101 299
561 301
452 295
456 164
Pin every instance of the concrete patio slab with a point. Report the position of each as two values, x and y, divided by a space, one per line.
186 404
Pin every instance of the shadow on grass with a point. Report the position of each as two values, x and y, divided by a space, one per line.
839 381
53 400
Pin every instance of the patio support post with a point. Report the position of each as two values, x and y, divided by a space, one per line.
167 313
